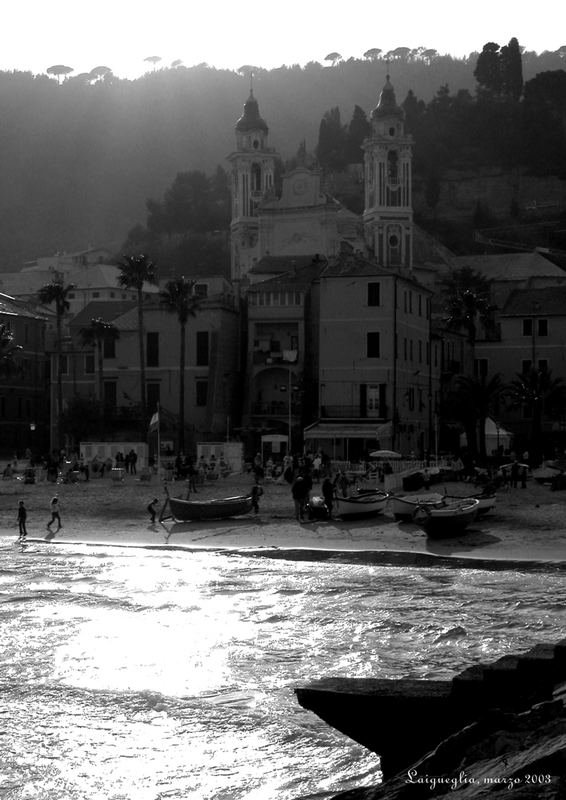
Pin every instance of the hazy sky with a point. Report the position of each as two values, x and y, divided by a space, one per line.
120 34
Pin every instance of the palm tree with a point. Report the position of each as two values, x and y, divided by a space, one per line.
540 393
135 271
467 300
8 351
96 335
179 298
478 398
55 292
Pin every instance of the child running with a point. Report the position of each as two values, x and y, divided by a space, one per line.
55 513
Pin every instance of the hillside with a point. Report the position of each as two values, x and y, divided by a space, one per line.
78 160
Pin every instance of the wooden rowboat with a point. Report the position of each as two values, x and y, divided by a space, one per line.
403 506
365 504
447 518
185 510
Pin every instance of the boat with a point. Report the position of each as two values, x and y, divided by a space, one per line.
366 503
488 500
402 506
447 518
186 510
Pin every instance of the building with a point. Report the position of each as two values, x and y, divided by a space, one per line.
211 372
23 412
333 304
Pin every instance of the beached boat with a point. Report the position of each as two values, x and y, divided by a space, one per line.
403 506
448 518
487 500
364 504
185 510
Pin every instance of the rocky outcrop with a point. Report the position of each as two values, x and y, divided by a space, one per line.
493 727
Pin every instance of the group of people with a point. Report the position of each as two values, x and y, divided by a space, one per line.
55 510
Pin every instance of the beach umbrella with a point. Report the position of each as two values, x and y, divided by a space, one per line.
388 454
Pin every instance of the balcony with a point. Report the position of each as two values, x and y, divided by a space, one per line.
352 412
275 408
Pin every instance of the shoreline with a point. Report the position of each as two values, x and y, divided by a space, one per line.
526 530
388 558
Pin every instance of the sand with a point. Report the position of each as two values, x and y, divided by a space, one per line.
527 528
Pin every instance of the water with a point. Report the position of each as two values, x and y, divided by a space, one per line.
128 673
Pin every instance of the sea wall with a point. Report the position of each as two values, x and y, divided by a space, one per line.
503 723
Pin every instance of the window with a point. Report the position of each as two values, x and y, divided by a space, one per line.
202 349
543 365
410 395
420 305
89 364
420 352
153 393
152 349
527 327
201 393
96 294
110 348
543 327
372 344
200 290
526 366
374 294
64 365
480 367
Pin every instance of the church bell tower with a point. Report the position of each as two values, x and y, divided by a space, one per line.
253 171
388 212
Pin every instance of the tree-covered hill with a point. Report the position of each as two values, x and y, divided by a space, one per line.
78 159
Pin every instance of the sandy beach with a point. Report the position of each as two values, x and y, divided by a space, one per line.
527 527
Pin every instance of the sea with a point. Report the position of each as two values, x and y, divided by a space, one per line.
129 673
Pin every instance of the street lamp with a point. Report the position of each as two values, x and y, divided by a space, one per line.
290 389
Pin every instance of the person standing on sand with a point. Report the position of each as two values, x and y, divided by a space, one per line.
256 493
55 513
300 493
22 516
327 489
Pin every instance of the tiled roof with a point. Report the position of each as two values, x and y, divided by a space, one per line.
108 310
293 279
510 266
276 265
550 301
8 305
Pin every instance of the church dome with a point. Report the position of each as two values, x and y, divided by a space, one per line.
387 105
250 119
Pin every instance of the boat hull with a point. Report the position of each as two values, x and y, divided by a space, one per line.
403 506
186 510
448 520
366 504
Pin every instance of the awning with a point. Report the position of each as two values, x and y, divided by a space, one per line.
343 430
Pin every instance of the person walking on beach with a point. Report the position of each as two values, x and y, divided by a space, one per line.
55 513
151 509
22 516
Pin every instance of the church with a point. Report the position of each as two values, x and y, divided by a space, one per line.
339 347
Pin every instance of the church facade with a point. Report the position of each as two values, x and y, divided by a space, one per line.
338 328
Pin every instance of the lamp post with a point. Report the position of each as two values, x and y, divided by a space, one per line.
290 388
